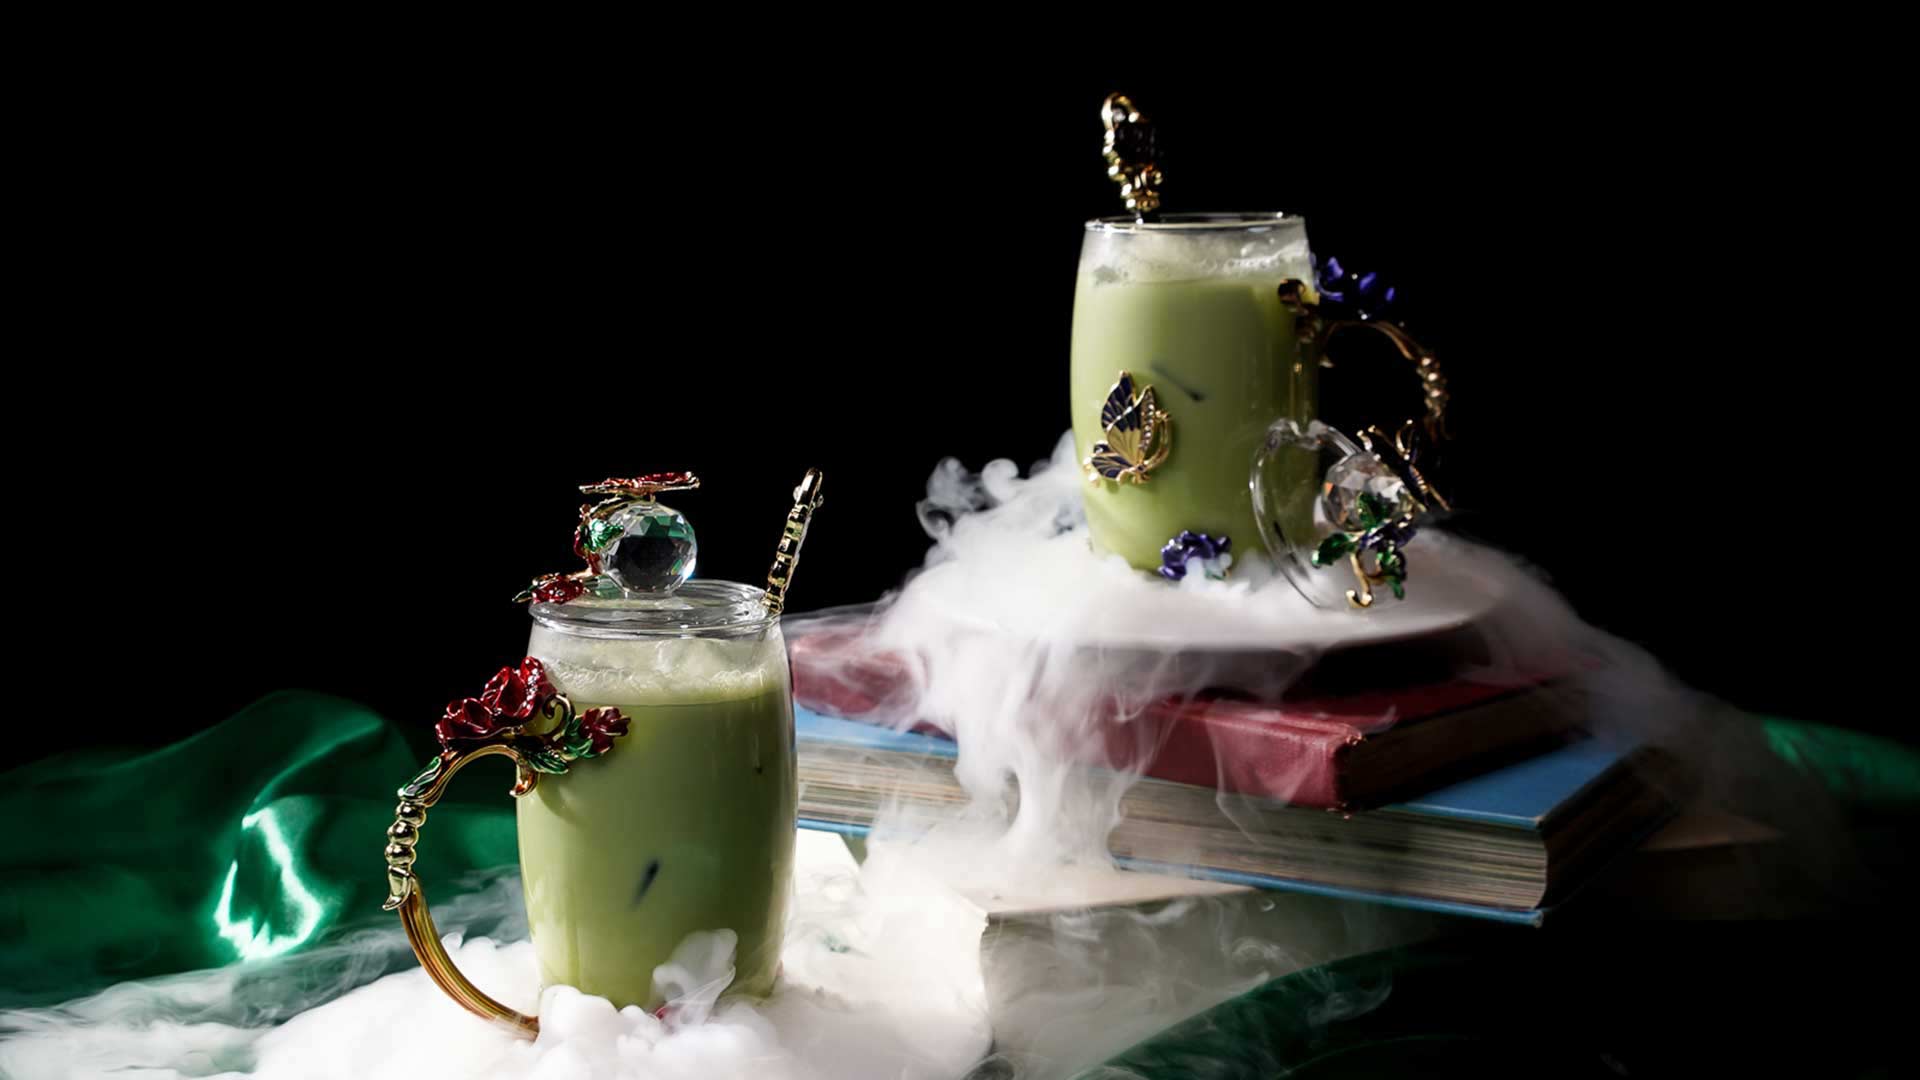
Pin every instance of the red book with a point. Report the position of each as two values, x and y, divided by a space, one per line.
1336 751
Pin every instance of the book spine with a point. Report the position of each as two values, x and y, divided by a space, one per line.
1244 749
1241 750
1299 752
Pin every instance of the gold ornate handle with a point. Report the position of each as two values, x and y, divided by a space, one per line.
1374 529
1433 385
1315 329
403 887
519 715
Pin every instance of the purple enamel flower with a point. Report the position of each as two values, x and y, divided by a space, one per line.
1391 534
1191 545
1347 295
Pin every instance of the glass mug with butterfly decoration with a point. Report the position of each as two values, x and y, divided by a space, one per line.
1198 341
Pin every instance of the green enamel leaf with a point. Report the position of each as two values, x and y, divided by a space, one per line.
1393 567
1393 563
1372 509
418 785
547 761
600 533
1334 548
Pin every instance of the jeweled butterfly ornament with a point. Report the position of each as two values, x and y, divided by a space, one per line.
1138 435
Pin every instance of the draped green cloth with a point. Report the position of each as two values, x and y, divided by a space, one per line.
1863 771
262 836
251 840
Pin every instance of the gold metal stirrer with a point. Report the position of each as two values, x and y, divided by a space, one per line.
806 499
1131 160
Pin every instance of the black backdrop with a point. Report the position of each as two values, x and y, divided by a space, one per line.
335 342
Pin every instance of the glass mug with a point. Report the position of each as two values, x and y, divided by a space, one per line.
637 830
1188 306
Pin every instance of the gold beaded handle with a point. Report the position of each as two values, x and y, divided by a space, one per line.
521 716
405 896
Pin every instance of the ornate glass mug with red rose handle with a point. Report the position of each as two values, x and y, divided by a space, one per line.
652 735
651 731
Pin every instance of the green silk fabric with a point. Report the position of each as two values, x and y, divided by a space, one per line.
249 841
1864 771
262 836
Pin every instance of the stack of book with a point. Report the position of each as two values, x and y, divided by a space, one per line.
1450 795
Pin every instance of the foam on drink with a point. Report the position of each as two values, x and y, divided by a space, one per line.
1194 247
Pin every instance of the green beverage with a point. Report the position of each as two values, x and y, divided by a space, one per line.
687 825
650 726
1188 305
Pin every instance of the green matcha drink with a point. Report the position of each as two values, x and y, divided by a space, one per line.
1188 305
687 825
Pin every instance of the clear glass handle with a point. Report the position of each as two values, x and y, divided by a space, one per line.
1287 481
1323 503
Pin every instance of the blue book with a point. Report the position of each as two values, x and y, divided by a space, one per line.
1505 845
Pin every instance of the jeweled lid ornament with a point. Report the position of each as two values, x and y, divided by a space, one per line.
632 543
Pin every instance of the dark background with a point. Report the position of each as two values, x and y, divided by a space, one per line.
334 339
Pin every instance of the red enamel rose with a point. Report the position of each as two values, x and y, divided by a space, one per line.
516 694
510 698
468 720
601 725
558 590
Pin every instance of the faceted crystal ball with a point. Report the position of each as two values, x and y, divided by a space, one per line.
1353 476
650 548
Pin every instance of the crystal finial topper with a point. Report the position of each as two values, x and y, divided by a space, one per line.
630 542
